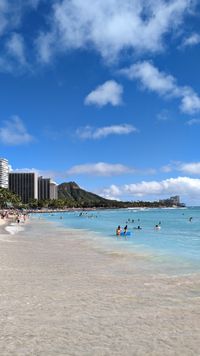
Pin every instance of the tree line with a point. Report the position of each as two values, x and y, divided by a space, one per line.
11 200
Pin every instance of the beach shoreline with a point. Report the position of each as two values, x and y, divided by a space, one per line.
63 295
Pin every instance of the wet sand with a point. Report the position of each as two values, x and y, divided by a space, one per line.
61 294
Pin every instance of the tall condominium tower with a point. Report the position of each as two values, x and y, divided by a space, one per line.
25 185
53 190
47 189
4 173
43 188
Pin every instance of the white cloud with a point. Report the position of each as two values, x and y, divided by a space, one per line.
14 132
12 54
190 102
11 13
100 169
16 49
184 186
193 122
192 40
167 168
190 168
44 44
164 85
113 192
184 167
151 78
89 132
26 170
39 172
108 93
111 26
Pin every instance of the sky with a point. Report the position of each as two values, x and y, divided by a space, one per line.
105 93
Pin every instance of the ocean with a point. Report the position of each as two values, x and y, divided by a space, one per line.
176 242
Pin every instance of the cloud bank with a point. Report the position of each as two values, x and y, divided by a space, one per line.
111 26
184 186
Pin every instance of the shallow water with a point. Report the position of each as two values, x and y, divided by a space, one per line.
178 239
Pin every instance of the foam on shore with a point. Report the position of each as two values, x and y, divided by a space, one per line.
14 228
63 294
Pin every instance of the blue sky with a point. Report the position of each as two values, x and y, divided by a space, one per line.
105 93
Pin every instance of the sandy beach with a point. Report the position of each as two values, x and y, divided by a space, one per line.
62 294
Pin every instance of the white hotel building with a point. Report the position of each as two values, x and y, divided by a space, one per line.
4 172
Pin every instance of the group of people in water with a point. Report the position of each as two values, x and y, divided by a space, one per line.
123 232
119 230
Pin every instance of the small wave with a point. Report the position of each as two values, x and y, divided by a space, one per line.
14 229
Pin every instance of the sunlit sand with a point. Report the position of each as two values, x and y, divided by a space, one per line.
62 294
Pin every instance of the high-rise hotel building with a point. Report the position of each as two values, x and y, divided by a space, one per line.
29 186
53 190
4 170
43 188
25 185
47 189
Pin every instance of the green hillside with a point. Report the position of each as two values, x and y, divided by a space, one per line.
71 191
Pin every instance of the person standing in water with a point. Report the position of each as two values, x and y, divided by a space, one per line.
125 229
118 230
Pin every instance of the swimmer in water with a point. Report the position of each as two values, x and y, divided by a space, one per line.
157 227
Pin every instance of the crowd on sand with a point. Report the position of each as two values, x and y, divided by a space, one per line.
12 216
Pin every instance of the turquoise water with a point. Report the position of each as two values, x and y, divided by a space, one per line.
178 237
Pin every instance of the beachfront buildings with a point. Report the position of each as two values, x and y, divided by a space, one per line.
53 190
43 188
25 185
47 189
172 201
29 186
4 170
